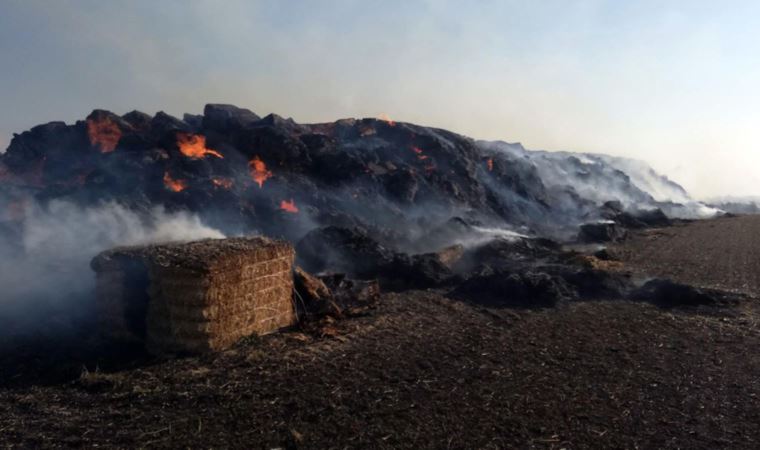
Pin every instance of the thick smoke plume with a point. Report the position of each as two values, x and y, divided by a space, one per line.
49 261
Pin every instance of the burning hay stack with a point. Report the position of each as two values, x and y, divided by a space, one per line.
198 296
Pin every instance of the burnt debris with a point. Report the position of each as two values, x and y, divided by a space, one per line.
393 204
241 172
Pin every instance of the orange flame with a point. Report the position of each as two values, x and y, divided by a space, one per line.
384 117
259 171
489 163
194 146
224 183
174 185
289 206
104 134
420 155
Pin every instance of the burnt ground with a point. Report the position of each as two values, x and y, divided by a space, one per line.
722 253
422 371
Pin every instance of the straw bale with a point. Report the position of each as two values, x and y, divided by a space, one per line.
203 295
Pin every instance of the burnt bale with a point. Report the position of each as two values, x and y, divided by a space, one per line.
225 118
630 221
163 123
349 292
53 144
280 122
666 293
316 296
452 230
592 284
603 231
653 218
415 272
605 254
614 211
353 252
612 208
138 120
401 185
194 120
501 253
525 290
637 219
345 250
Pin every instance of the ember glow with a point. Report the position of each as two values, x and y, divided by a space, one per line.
489 163
174 185
259 171
194 146
104 134
384 117
224 183
289 206
420 155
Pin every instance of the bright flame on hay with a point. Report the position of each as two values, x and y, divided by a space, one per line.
194 146
259 171
289 206
384 117
174 185
104 134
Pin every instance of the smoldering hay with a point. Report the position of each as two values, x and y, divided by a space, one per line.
68 191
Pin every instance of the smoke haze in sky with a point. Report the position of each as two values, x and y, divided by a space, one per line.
671 83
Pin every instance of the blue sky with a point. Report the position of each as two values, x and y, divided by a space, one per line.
674 83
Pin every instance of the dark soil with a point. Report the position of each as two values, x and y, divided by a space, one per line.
720 254
420 370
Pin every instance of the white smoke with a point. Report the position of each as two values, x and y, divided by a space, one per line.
645 178
601 178
51 259
691 210
483 235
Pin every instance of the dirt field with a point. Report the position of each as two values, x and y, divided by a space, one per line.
721 254
423 371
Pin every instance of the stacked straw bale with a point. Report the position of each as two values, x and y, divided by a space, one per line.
198 296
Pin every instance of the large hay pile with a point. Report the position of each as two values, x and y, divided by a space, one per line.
196 296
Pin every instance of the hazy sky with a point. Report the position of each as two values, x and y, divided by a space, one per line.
676 84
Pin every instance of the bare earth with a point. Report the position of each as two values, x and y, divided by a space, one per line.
423 371
721 254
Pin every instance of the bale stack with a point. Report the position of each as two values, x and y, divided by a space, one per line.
198 296
122 295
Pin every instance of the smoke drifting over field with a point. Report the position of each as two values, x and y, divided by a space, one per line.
49 257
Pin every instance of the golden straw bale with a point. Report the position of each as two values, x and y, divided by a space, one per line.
200 296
